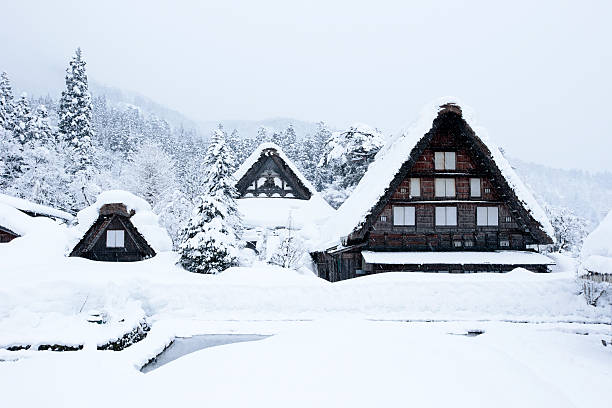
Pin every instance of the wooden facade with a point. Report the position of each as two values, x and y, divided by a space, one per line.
113 238
483 211
271 176
6 235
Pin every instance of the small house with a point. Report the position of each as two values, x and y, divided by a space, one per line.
437 198
17 213
119 227
275 198
596 254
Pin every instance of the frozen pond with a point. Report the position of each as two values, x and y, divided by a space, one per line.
185 345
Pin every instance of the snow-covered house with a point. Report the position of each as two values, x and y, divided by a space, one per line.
439 197
275 198
596 254
35 210
16 213
119 227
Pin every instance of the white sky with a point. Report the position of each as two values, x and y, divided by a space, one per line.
537 73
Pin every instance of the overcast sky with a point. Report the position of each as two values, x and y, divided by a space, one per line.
536 73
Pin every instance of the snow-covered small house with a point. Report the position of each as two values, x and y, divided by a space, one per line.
274 198
596 254
119 227
35 210
16 213
439 197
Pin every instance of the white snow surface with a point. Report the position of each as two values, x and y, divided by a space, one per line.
457 258
25 205
252 159
354 211
145 221
596 251
372 364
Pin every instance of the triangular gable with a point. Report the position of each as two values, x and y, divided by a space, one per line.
88 246
268 172
395 162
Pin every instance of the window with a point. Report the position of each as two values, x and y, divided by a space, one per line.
415 187
445 187
487 216
468 244
457 244
487 190
508 219
383 218
444 160
446 216
403 216
475 187
114 238
403 190
504 243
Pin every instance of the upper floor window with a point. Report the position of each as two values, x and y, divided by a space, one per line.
487 216
446 216
114 239
403 215
444 160
415 187
475 187
445 187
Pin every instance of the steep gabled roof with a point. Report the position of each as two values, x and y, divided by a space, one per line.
138 210
34 209
396 159
258 158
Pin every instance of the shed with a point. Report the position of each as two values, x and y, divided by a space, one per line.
120 227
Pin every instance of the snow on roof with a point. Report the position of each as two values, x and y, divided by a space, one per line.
145 221
457 258
252 159
353 212
14 220
25 205
597 248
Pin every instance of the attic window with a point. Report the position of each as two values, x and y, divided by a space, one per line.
487 190
383 218
508 219
403 190
415 187
403 215
444 161
115 239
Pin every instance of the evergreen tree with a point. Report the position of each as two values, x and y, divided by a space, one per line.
6 102
75 122
21 119
76 130
210 241
39 128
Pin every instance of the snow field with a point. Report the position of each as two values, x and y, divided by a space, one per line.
337 362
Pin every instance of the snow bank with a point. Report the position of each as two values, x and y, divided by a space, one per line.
252 159
457 258
597 248
145 221
354 211
25 205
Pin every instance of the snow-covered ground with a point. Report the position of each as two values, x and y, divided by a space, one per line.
377 340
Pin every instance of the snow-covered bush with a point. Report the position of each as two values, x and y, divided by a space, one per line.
570 229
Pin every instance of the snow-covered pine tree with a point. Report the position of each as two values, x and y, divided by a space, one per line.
75 127
22 117
6 102
210 241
